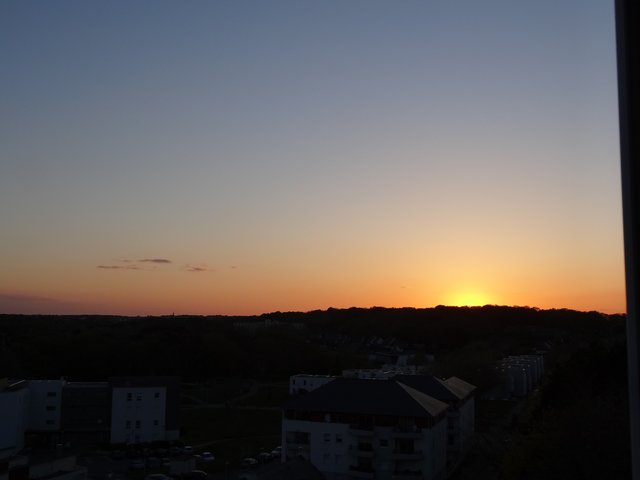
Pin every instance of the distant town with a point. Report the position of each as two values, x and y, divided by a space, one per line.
389 394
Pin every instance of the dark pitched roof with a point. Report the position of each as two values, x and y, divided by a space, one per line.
449 390
459 387
368 397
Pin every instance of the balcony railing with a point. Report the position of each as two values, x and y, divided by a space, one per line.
407 454
360 472
407 432
361 430
406 474
361 450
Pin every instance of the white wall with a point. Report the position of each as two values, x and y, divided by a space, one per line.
13 420
45 402
138 414
333 457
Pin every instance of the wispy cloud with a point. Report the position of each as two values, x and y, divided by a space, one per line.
155 260
199 268
118 267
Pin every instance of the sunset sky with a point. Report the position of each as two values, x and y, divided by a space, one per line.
241 157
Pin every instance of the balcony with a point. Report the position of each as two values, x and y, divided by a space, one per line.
406 474
360 472
361 430
406 432
361 451
407 455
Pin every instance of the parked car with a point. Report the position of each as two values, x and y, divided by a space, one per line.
137 464
207 457
195 475
249 463
187 449
157 476
265 457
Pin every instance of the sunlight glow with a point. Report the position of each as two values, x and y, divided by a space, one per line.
468 299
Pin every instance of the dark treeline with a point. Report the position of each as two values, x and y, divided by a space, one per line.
578 427
270 345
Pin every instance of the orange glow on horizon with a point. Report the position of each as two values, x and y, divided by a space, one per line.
468 298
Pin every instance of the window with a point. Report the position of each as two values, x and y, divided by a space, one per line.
155 423
50 422
326 458
338 438
384 442
51 408
327 437
137 423
138 397
129 397
156 395
338 459
52 394
128 424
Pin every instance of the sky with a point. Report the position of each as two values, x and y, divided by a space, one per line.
241 157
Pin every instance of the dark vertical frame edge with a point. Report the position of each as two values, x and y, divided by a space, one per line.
627 21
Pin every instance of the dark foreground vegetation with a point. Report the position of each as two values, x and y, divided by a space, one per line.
274 345
235 369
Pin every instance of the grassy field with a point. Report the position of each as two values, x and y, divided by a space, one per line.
217 391
267 396
230 433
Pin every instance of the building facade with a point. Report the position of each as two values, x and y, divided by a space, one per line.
356 428
144 409
13 416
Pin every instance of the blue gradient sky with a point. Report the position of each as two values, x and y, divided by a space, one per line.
295 155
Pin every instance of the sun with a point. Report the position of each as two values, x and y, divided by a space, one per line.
468 299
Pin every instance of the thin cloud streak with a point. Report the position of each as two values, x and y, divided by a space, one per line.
199 268
155 260
117 267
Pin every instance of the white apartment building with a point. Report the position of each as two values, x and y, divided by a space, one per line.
13 417
143 409
355 428
45 405
458 395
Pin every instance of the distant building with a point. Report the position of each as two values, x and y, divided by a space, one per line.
45 405
355 428
144 409
519 375
86 412
459 396
13 416
301 383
